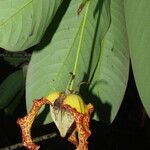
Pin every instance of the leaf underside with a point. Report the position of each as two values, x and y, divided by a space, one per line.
23 22
111 75
137 15
49 68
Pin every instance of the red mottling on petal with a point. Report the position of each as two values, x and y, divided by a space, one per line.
72 138
25 124
81 119
82 127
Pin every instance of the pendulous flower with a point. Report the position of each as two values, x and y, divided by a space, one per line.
69 113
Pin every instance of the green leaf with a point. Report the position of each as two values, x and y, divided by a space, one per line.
137 15
15 102
23 22
111 75
73 48
16 59
10 87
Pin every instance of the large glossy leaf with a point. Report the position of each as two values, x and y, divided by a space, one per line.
10 87
23 22
138 25
111 75
74 48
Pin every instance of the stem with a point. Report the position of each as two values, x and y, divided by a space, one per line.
79 47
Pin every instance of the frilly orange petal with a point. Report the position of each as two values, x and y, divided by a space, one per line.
25 124
82 121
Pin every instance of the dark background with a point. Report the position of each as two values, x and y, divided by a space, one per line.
129 130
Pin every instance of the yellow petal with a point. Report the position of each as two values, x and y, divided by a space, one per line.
75 101
53 96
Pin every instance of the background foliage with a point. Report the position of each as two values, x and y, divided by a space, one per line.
96 45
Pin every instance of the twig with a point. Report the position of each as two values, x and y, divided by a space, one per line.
37 139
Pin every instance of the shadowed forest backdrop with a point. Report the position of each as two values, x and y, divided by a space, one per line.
103 43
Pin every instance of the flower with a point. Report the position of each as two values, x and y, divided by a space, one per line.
82 115
69 113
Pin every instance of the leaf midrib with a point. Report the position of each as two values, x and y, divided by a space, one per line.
81 26
79 45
